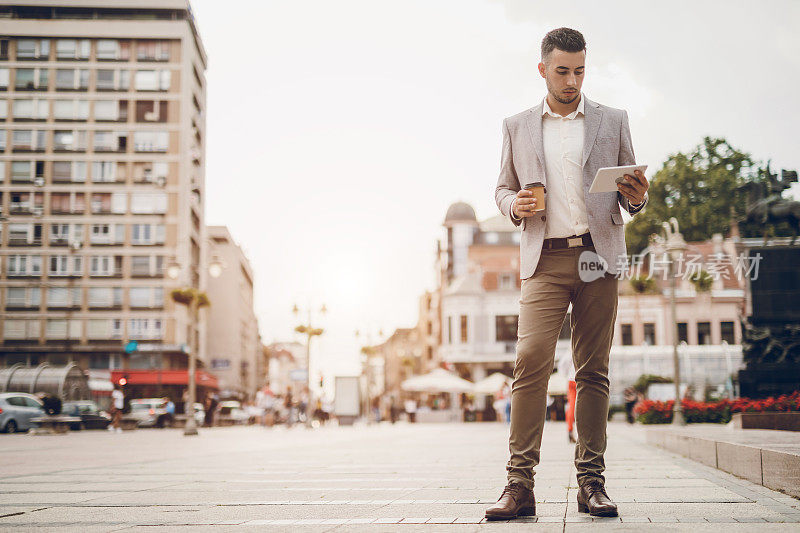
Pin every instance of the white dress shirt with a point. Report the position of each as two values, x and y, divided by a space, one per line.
563 154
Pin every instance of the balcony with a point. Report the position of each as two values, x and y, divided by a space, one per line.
24 241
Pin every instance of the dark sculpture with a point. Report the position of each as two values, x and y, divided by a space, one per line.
776 344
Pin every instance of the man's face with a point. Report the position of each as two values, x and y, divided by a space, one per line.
563 73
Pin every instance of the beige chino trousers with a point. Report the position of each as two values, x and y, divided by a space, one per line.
545 299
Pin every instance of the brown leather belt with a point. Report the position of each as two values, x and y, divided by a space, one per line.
568 242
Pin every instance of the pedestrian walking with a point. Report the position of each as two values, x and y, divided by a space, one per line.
566 368
117 405
572 247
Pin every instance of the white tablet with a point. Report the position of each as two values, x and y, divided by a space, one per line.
607 178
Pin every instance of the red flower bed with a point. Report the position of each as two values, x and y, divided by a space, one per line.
653 412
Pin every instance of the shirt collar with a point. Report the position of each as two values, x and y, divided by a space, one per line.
547 111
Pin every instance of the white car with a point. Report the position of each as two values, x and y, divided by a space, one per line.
231 411
150 412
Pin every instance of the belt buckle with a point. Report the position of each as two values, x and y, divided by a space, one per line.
572 242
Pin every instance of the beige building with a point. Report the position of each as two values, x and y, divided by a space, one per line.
282 359
479 307
233 346
102 136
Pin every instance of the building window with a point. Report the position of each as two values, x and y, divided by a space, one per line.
102 329
77 110
67 203
23 297
449 330
463 329
144 328
101 234
28 140
152 50
148 203
105 265
30 49
506 328
113 80
104 171
726 332
506 281
30 79
627 334
105 297
113 50
72 79
152 80
24 234
63 297
72 49
66 265
147 234
650 334
150 141
683 332
147 297
150 172
21 329
63 234
110 141
69 141
69 171
30 110
57 328
111 110
704 333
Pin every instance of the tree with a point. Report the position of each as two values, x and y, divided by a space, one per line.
701 190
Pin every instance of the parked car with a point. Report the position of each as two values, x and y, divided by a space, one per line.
231 412
87 410
17 409
150 412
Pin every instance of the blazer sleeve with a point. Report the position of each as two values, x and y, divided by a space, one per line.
507 182
627 157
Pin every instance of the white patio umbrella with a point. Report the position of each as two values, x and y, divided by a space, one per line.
492 384
439 380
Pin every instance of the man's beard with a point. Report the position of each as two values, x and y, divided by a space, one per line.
560 98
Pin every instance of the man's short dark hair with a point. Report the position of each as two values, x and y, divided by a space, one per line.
565 39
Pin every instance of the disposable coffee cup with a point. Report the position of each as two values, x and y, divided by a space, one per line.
539 191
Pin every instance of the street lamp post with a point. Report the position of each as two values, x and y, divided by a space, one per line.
310 332
194 299
674 245
366 352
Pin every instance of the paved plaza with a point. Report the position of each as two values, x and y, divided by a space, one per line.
406 477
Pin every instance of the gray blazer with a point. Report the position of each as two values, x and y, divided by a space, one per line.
607 143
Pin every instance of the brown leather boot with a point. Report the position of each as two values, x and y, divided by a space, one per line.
592 499
516 500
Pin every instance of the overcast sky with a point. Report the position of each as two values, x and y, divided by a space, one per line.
340 132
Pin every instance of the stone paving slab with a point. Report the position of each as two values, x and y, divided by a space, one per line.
364 478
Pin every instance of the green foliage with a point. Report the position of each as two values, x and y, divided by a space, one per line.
699 189
645 380
644 284
185 295
702 281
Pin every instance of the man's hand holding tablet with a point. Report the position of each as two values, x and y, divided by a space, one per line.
629 180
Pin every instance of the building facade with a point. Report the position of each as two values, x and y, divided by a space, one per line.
479 278
102 145
234 349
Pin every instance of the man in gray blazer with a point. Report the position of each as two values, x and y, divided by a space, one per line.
572 250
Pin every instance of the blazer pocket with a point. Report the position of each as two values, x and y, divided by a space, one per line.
616 218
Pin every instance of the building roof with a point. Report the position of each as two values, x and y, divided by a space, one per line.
498 223
469 283
460 212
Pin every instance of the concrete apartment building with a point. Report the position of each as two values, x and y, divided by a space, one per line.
480 287
102 145
234 349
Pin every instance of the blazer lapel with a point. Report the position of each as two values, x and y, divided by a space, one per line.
591 124
534 120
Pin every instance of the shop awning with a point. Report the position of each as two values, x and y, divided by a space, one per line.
164 377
